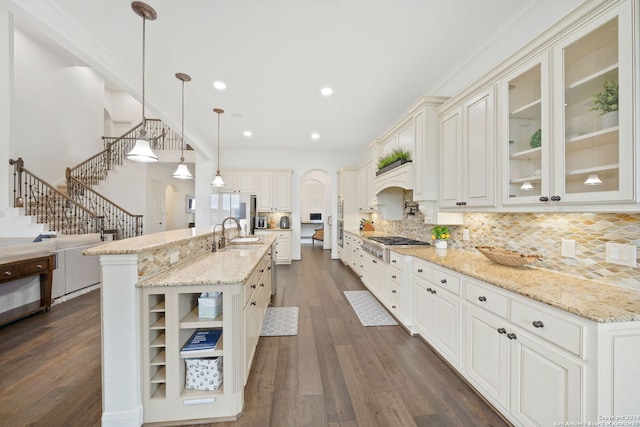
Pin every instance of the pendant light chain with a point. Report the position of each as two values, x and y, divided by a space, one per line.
182 136
144 22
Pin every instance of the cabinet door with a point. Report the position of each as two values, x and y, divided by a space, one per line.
486 354
283 251
448 325
246 182
526 142
230 179
281 191
264 194
365 187
595 140
424 309
545 385
479 151
451 159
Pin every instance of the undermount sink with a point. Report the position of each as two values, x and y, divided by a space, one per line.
245 240
241 248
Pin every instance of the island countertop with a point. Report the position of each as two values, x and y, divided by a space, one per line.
591 299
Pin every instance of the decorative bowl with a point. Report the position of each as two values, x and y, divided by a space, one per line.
505 257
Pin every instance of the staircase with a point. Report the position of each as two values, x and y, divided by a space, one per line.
82 209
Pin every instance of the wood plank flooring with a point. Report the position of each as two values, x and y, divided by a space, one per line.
334 373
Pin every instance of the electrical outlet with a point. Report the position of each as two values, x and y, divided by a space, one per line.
174 257
465 234
568 248
617 253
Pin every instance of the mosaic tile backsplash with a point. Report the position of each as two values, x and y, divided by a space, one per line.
541 233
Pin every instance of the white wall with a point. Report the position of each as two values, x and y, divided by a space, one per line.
58 109
6 100
312 198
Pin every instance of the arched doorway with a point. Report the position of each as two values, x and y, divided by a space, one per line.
315 202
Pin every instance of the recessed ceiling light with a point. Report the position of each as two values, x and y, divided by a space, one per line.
219 85
247 133
315 135
326 91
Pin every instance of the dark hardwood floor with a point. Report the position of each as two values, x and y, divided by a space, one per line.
335 372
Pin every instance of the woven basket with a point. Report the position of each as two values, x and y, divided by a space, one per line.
504 257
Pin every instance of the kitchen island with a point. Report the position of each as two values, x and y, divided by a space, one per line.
149 309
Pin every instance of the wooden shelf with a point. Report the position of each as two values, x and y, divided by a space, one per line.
218 351
530 154
192 320
159 342
594 169
529 111
160 359
160 377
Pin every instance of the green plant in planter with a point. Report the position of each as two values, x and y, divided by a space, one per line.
440 232
536 139
397 154
607 100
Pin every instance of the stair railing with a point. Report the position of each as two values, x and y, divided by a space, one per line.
50 206
117 220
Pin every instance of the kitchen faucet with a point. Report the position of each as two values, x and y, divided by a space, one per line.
213 238
223 240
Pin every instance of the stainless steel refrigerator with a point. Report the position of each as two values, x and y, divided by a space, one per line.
240 206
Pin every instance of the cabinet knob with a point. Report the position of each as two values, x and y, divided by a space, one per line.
393 291
443 281
393 307
38 266
393 277
254 286
253 303
555 198
428 289
393 261
262 270
374 261
262 285
482 299
544 199
419 270
538 324
512 336
502 331
7 273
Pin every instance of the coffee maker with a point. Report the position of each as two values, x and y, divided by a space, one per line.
284 222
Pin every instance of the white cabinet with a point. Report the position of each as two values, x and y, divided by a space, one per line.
376 277
425 157
400 297
365 188
401 138
467 147
238 181
274 191
282 244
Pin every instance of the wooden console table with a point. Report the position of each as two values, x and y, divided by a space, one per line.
15 268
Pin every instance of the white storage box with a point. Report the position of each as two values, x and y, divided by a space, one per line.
203 374
210 305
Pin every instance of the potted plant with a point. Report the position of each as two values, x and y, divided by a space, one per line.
440 233
606 103
395 158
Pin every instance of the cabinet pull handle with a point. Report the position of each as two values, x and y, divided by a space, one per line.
419 270
393 307
502 331
393 291
393 277
483 299
555 198
374 261
512 336
254 286
443 281
253 303
7 273
393 261
538 324
38 266
544 199
429 290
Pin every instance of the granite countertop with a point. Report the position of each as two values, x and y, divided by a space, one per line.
591 299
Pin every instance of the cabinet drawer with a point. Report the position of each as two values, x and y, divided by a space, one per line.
395 308
559 331
422 269
395 260
395 275
446 281
486 298
396 292
37 266
251 285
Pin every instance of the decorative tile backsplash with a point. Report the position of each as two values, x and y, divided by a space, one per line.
541 233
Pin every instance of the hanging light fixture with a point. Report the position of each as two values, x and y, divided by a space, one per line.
593 179
141 151
182 172
526 186
217 181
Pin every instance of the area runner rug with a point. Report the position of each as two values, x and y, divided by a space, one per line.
368 309
280 321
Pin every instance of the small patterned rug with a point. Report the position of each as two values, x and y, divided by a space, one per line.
280 321
368 309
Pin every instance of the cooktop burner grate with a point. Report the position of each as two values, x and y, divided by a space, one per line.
397 240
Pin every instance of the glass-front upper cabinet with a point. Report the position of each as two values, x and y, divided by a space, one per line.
526 95
593 159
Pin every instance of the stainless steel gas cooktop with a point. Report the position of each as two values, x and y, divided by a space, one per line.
397 240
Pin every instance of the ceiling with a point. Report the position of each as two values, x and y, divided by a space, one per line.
275 56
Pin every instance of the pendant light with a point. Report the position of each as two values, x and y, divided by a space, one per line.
141 151
217 181
526 186
593 179
183 171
